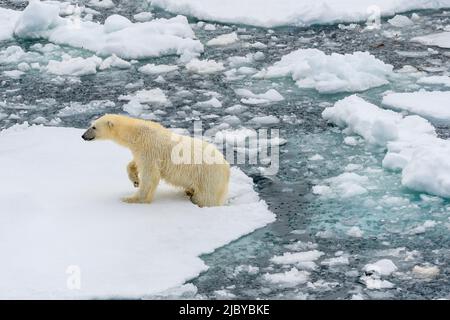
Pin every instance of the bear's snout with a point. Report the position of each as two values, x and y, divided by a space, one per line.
89 134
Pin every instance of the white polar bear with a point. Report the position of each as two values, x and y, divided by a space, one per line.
196 166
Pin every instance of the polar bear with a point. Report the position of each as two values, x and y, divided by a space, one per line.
158 153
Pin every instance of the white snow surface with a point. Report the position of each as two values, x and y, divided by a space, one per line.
435 80
290 278
249 97
313 69
151 68
74 66
273 13
433 105
156 96
440 39
400 21
383 267
411 142
224 39
8 19
204 66
117 36
297 257
68 217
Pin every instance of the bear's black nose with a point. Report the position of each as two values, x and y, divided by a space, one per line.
86 137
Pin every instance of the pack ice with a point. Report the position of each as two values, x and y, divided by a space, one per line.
117 35
411 142
273 13
313 69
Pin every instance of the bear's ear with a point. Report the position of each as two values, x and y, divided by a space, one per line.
110 124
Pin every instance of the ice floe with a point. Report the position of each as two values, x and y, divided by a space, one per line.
441 39
273 13
223 40
297 257
89 244
384 267
156 96
313 69
152 68
102 4
290 278
74 66
8 19
400 21
204 66
435 80
433 105
251 98
143 16
411 142
117 36
425 271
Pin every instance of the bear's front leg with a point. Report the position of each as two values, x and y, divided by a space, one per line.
150 177
133 173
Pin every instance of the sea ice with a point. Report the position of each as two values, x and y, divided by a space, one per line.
251 98
313 69
290 278
411 141
91 245
383 267
400 21
441 39
297 257
152 68
433 105
125 39
204 66
442 80
223 40
273 13
74 66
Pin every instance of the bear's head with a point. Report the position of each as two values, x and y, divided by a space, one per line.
102 128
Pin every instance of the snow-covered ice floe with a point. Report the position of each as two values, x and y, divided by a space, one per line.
117 35
441 39
273 13
204 66
63 218
251 98
433 105
313 69
8 20
435 80
411 142
74 66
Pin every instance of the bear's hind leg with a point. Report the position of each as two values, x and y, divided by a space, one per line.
205 199
133 173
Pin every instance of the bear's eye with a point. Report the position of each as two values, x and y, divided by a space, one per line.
94 127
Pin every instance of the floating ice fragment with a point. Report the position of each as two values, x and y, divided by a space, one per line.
383 267
290 278
152 68
426 271
224 39
312 68
355 232
204 66
400 21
